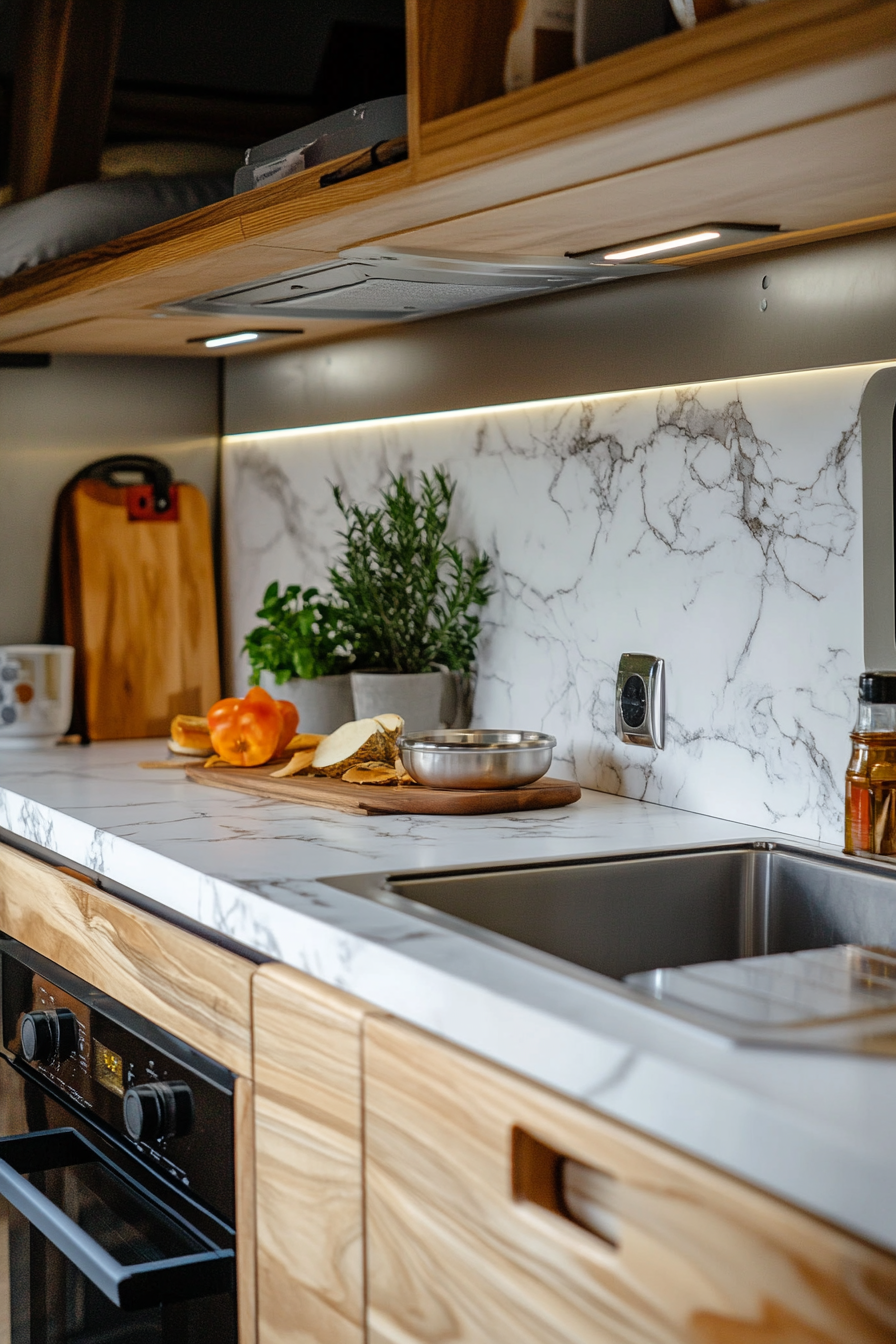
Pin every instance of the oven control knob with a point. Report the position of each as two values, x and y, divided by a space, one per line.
158 1111
51 1034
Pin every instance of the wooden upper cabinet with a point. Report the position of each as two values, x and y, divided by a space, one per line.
456 53
756 44
499 1211
779 113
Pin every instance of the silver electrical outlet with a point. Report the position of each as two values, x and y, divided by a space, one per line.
641 700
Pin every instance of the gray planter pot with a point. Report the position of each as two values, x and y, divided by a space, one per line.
424 700
457 698
416 696
323 702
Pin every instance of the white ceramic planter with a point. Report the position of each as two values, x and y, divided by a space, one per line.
416 696
323 702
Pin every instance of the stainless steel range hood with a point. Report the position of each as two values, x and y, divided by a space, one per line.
387 286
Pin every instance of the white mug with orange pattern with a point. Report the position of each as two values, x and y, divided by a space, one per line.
36 682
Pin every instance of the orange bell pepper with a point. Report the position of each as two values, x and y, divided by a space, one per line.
247 731
290 719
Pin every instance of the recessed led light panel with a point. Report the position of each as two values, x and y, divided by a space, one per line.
234 338
700 238
242 337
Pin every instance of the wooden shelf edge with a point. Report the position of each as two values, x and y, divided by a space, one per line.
214 228
753 44
779 242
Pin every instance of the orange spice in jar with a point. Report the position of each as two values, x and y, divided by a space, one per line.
871 774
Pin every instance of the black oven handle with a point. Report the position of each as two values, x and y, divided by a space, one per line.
127 1286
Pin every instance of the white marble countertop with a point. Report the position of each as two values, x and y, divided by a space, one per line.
814 1128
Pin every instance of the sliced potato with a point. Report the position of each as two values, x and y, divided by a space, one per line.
300 762
392 726
180 750
371 772
355 742
302 741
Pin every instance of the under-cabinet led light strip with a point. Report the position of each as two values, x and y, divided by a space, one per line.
424 417
649 249
236 338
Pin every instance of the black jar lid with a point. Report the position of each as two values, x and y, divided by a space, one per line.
878 688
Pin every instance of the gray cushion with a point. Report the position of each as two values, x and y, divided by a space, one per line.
75 218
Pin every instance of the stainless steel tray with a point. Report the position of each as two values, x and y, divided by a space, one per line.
846 988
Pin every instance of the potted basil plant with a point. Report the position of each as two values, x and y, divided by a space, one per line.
300 653
410 600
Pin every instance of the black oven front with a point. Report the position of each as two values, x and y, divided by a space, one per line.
116 1171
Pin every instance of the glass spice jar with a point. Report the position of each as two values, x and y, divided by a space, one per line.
871 774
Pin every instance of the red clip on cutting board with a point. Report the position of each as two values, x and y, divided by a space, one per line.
142 508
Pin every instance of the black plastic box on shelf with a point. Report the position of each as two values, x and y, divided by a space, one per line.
346 132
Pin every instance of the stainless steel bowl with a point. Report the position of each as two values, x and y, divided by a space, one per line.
481 759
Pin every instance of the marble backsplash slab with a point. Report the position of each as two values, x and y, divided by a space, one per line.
715 526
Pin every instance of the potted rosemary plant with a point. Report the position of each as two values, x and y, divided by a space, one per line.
300 652
410 600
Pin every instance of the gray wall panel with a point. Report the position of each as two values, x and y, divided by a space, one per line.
54 421
829 304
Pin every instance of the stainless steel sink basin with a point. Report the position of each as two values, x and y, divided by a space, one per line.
611 918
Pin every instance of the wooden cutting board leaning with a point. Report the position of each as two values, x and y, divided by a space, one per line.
377 799
132 588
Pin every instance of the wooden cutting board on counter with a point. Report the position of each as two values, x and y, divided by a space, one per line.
376 799
135 594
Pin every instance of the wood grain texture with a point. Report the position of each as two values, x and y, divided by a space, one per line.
756 43
192 988
412 63
780 177
798 238
181 336
701 1258
244 1191
308 1160
65 66
461 53
140 611
672 136
374 800
195 236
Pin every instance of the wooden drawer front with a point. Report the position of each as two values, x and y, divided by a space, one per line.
192 988
308 1161
455 1255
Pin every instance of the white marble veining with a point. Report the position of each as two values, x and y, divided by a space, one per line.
816 1129
716 526
52 796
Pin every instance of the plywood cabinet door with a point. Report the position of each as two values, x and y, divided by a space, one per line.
472 1240
308 1160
